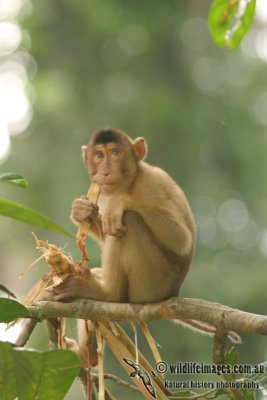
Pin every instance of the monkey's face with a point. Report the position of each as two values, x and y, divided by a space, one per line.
111 165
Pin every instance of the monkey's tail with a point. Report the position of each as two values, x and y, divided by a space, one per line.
206 329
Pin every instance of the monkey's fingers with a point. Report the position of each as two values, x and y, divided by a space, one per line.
84 211
92 195
121 229
61 296
69 288
83 203
79 208
118 232
80 216
93 212
113 226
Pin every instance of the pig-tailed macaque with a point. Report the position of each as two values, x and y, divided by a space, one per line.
143 224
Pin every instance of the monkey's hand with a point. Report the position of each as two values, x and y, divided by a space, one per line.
72 287
82 210
112 223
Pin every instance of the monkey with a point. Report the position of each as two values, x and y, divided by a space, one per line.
143 223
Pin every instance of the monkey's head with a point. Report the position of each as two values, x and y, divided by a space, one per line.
112 158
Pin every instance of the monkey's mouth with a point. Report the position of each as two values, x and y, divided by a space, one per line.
102 181
108 186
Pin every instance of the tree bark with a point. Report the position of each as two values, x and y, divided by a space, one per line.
219 315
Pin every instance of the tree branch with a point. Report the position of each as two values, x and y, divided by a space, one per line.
219 315
26 332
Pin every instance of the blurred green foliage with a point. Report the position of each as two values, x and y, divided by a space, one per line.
229 21
151 69
26 374
15 179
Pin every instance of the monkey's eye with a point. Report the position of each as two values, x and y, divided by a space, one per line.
115 152
99 154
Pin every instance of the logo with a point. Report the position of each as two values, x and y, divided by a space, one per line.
143 375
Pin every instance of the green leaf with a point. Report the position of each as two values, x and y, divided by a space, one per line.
229 21
248 394
27 374
231 356
29 216
6 291
47 375
7 375
10 177
221 392
11 310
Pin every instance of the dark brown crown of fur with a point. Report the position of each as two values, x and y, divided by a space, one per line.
108 135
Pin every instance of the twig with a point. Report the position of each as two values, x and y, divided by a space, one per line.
151 342
118 381
89 389
219 343
52 327
100 354
26 332
174 308
135 341
196 396
220 338
83 378
108 394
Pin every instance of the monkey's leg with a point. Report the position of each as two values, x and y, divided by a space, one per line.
153 273
108 283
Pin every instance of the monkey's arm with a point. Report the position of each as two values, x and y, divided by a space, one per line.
98 284
82 210
173 230
77 286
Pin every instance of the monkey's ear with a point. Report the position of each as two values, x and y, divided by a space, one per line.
84 148
140 147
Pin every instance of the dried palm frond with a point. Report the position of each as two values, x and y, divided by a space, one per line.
93 195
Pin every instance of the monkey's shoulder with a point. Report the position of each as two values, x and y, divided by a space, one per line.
155 180
158 176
